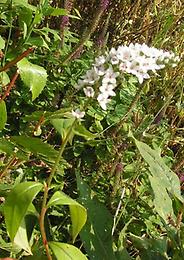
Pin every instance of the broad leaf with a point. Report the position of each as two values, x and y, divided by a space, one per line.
78 212
55 11
9 148
33 76
37 41
4 78
162 201
63 125
39 148
150 249
6 146
82 131
3 114
165 183
66 251
21 238
24 3
2 43
96 234
17 204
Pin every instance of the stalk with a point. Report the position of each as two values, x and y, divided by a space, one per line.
46 190
86 36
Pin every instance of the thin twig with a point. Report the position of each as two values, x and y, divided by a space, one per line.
20 57
10 86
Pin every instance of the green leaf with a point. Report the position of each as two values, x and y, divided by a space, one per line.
37 41
38 148
66 251
6 146
21 238
3 114
17 204
33 76
4 78
9 148
150 249
165 183
162 201
55 11
78 212
63 125
96 234
2 43
82 131
24 3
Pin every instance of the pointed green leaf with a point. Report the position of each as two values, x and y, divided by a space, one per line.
160 170
2 43
3 114
24 3
4 78
162 201
96 234
164 182
17 204
66 251
39 148
55 11
77 211
82 131
33 76
21 239
6 146
62 125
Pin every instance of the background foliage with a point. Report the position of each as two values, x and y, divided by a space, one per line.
120 175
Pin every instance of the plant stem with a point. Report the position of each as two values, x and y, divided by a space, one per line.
46 190
20 57
10 86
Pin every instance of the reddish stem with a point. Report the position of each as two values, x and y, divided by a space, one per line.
7 92
20 57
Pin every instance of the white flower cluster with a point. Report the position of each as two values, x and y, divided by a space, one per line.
135 59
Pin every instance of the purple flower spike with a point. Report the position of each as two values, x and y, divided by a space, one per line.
181 178
104 4
65 21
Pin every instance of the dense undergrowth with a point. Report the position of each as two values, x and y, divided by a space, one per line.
85 174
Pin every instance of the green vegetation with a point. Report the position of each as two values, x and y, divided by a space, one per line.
91 130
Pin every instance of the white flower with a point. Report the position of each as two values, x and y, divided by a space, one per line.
124 53
107 89
100 70
110 76
89 92
103 100
113 56
99 60
78 114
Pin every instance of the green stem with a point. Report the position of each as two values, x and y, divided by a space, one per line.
46 190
